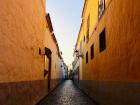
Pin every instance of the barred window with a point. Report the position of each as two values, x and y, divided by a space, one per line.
86 57
92 51
101 8
102 40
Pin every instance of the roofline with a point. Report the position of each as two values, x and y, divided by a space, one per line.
54 38
57 46
84 8
79 34
82 21
48 18
49 22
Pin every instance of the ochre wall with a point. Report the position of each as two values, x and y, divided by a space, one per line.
91 9
22 30
55 69
120 60
112 77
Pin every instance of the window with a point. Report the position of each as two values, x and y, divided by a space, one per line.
39 51
81 48
84 38
55 66
87 37
88 26
86 57
92 51
102 40
88 23
101 8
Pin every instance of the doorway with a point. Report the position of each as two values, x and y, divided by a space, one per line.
48 63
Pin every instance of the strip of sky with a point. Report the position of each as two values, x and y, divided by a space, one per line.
66 20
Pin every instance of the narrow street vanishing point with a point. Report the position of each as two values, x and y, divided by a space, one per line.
69 52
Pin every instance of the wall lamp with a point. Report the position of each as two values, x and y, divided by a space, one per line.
45 72
46 51
78 54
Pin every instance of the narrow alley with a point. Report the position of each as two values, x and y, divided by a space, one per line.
67 94
70 52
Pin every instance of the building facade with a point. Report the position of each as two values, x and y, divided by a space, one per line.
25 77
107 51
50 43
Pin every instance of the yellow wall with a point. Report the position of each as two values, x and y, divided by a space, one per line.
114 74
21 34
121 20
91 9
22 31
51 44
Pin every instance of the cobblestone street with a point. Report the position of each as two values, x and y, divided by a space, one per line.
67 94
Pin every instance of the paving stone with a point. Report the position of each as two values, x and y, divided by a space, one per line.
67 94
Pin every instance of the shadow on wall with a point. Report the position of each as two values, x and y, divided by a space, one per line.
112 92
22 93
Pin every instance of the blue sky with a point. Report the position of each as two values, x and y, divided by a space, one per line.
66 20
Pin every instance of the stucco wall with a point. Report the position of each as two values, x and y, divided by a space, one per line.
22 29
113 76
120 60
55 62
